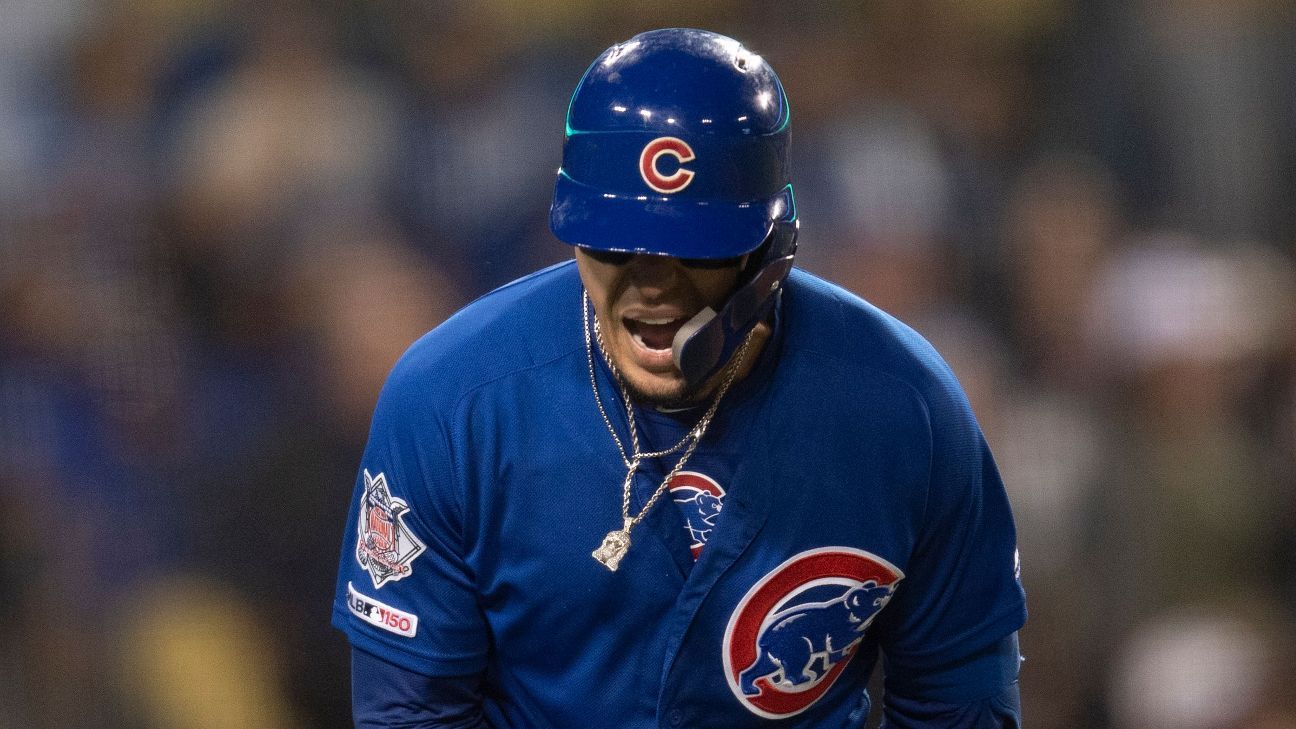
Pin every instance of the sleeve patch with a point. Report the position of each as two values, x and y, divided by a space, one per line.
381 615
385 546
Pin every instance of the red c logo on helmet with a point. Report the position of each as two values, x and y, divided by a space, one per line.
674 182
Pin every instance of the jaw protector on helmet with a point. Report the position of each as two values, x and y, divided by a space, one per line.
706 342
676 145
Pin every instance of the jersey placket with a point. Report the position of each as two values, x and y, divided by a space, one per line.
745 510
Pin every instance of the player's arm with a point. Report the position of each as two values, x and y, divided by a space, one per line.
948 636
385 695
406 597
999 709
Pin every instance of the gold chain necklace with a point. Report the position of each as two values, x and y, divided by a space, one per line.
617 542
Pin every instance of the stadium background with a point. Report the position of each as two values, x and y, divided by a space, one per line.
222 221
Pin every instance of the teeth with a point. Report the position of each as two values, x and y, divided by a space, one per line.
656 321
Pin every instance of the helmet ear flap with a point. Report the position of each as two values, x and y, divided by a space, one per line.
780 242
705 343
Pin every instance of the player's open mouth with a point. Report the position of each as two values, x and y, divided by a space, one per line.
654 335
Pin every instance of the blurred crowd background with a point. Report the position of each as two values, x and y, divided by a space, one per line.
221 221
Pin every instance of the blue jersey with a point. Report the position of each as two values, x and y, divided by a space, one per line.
842 504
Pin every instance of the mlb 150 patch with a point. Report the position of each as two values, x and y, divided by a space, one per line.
797 628
381 614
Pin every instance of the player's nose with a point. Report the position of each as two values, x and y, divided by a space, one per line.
653 275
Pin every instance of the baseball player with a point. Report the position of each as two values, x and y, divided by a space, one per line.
676 482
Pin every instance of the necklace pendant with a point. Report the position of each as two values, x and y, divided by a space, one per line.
614 548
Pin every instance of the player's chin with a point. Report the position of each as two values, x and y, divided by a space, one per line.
656 388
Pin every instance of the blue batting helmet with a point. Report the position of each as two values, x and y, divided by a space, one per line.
676 145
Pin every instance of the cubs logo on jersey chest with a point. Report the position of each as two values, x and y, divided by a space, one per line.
700 500
798 627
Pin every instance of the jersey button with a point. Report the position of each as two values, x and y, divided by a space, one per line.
675 717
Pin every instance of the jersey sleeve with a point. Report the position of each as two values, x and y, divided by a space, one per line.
386 695
404 591
1000 711
942 636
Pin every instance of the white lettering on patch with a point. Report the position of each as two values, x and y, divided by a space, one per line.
384 616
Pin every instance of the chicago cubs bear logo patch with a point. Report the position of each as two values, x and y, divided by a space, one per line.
652 154
385 546
701 499
796 629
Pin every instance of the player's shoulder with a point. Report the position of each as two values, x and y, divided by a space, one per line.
525 323
826 320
